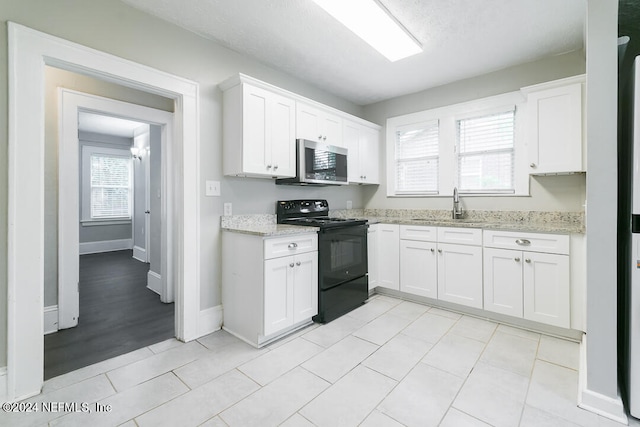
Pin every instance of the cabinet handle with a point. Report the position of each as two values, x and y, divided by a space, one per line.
433 250
268 166
533 165
517 259
298 263
527 260
523 242
275 167
291 265
292 245
324 138
320 137
439 251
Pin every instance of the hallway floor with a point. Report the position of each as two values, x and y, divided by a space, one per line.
388 363
118 314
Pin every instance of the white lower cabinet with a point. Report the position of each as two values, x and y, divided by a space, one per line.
460 274
389 256
419 268
372 255
270 285
533 283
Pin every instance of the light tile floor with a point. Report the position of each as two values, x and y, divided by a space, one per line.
388 363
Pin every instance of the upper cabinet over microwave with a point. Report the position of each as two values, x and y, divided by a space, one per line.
261 123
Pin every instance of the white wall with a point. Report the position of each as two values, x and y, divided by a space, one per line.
549 193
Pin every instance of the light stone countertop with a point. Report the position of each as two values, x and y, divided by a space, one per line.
524 221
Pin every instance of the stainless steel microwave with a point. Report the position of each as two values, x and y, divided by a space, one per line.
318 164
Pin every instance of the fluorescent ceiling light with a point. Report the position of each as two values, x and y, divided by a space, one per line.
374 24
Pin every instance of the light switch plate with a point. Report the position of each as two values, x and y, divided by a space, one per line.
349 204
227 209
212 188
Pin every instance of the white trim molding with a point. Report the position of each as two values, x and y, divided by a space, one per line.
3 384
154 282
29 51
105 246
210 320
50 319
139 253
589 400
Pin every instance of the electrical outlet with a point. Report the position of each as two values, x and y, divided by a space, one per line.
212 188
349 204
227 209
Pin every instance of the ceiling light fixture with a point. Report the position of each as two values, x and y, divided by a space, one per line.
372 22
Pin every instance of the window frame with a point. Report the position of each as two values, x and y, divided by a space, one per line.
85 184
413 126
448 164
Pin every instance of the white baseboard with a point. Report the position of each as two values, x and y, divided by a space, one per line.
154 282
50 319
609 407
139 253
105 246
209 320
3 384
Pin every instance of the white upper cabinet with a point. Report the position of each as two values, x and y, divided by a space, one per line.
363 143
554 126
258 133
318 125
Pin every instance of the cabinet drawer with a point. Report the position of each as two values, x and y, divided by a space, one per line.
290 245
533 242
418 232
462 236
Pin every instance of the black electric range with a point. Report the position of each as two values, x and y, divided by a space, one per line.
342 255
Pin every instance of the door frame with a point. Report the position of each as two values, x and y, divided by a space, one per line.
29 51
70 104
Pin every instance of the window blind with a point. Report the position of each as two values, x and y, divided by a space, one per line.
417 158
110 186
485 147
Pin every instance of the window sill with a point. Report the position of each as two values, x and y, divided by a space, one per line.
93 223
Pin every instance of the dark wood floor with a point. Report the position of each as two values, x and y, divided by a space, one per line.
118 314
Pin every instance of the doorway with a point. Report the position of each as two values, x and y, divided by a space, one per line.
31 49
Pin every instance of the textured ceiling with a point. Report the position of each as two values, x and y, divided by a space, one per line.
461 39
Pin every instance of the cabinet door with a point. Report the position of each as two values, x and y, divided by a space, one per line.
369 155
278 294
372 255
308 122
460 274
351 139
282 138
305 286
331 126
256 152
418 268
389 256
546 288
555 129
503 281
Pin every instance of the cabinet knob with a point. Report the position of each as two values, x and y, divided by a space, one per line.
275 167
268 166
517 259
439 251
291 265
324 138
320 137
532 165
433 250
292 245
527 260
298 263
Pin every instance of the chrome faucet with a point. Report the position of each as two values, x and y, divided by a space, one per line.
457 210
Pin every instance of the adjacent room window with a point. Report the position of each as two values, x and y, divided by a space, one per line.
107 184
485 148
417 158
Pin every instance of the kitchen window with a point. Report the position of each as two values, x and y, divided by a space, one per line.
107 184
477 146
417 158
485 147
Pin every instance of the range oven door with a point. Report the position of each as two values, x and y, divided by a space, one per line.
342 255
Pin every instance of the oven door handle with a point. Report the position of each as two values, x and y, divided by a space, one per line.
342 228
